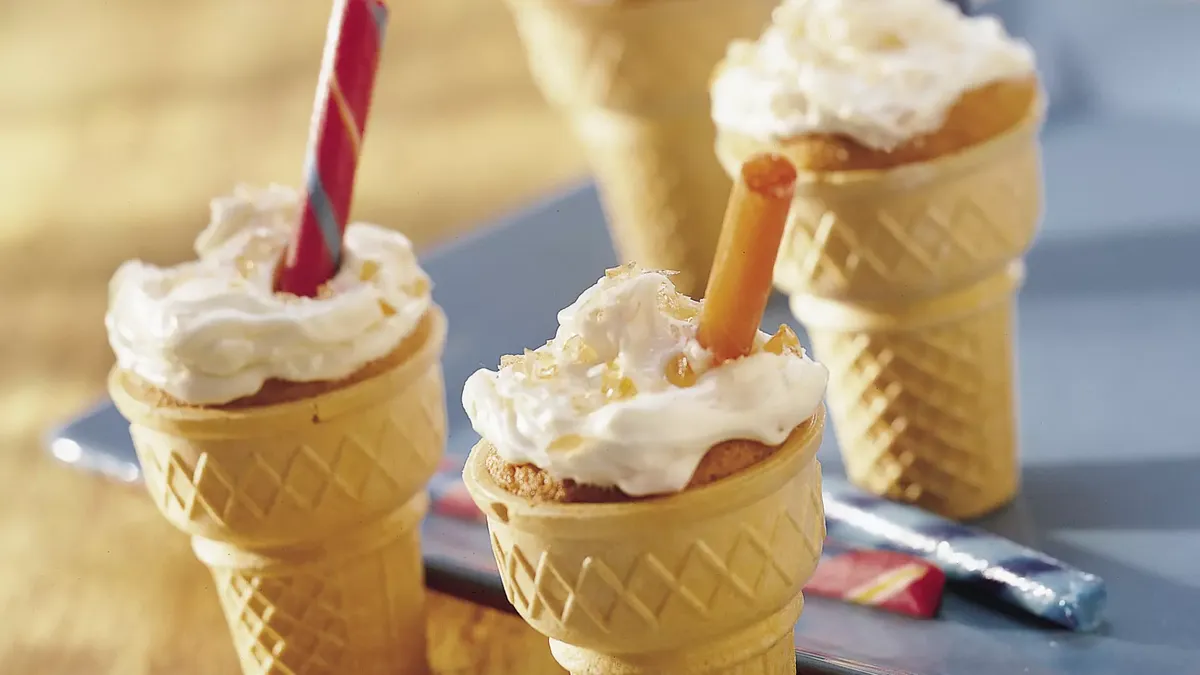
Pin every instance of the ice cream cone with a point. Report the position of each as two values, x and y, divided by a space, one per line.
351 604
633 78
922 394
704 581
306 512
917 230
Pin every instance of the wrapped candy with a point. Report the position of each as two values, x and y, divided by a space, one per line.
998 568
887 580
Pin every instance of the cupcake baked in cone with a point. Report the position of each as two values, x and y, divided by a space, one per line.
651 510
914 131
632 77
290 437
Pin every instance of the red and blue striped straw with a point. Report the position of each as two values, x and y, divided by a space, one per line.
356 31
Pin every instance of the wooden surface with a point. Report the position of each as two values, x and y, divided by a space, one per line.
118 121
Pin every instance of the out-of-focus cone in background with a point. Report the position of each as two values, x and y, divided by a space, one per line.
906 281
633 79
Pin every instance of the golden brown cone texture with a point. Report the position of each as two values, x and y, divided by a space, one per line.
704 581
923 399
306 512
633 79
921 395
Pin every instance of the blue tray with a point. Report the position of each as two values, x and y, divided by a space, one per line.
1108 365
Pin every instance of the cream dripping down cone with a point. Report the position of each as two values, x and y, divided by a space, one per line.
921 397
307 512
632 77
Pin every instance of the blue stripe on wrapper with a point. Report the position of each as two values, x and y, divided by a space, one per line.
379 12
999 568
318 199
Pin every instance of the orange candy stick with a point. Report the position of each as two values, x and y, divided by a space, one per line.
740 283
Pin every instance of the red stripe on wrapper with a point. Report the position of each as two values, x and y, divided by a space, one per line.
884 579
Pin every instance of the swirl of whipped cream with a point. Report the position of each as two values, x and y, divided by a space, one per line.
595 404
212 330
879 71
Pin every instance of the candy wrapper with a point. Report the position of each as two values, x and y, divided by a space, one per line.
885 580
1000 569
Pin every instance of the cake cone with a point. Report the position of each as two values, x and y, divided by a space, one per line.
900 243
306 512
923 395
351 604
913 231
706 581
633 79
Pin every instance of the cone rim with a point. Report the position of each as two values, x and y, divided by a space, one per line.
914 174
688 506
326 407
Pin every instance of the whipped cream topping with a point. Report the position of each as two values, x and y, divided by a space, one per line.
212 330
879 71
596 404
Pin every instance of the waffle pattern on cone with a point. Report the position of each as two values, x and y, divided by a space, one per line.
766 648
630 56
663 575
279 474
356 609
923 407
633 78
914 230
